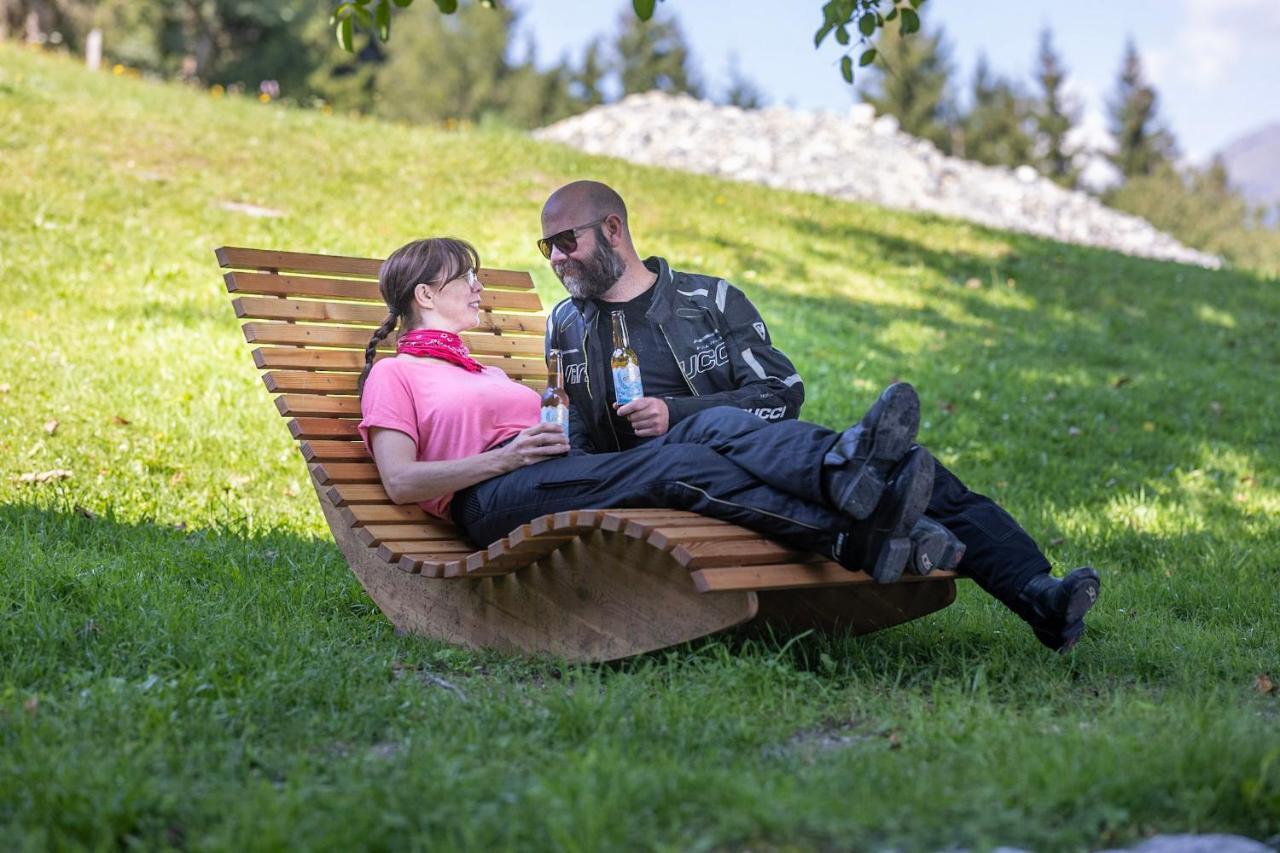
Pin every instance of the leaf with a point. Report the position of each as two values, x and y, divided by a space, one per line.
51 426
402 4
868 57
447 6
821 34
915 4
345 33
644 8
1264 685
383 18
44 476
364 16
910 22
31 706
867 24
846 68
842 34
85 513
119 421
893 13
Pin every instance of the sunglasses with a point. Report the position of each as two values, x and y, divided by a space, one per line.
566 241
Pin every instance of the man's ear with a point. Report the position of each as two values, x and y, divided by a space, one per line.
613 229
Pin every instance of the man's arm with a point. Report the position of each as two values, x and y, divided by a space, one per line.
767 383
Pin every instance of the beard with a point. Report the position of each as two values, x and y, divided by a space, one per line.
593 276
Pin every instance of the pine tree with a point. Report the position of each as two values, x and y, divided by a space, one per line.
1142 144
914 88
584 81
652 55
1054 117
997 129
742 90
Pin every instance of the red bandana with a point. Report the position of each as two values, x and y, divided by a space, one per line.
435 343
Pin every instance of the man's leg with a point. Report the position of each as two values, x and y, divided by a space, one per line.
1006 562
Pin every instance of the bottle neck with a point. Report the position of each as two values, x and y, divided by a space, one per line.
620 338
555 370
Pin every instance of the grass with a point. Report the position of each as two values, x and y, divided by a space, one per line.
186 662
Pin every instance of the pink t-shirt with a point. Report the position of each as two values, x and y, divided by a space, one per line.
449 412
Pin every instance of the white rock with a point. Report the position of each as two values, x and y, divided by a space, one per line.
862 158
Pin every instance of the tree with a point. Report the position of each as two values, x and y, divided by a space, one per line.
1142 144
998 127
854 23
584 81
1054 117
742 90
653 54
914 86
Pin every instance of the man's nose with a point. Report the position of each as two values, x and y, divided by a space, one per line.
556 254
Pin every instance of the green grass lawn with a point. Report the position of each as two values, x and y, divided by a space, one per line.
185 660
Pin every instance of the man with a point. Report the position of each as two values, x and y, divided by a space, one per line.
700 343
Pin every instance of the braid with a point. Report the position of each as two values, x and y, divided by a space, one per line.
371 350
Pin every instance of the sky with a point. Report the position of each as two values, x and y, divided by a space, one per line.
1215 63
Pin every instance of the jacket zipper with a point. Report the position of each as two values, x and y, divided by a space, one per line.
586 355
679 363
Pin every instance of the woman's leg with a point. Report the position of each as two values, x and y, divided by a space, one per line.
678 476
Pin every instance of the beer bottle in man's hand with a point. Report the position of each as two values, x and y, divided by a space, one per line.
626 367
555 402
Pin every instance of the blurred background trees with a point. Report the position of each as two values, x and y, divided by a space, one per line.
473 66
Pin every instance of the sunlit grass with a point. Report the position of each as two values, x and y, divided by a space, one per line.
186 661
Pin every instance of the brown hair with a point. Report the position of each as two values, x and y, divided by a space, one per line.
434 260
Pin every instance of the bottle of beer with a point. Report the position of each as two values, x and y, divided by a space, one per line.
555 402
626 367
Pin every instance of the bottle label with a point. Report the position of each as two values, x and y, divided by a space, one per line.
556 415
626 384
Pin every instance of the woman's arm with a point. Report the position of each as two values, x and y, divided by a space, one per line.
407 480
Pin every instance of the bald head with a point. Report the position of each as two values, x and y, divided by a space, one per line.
581 202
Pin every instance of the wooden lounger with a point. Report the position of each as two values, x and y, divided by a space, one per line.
591 585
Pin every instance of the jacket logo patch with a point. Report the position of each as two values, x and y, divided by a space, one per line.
759 327
770 414
575 374
708 359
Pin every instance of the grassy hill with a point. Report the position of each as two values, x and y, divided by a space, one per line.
185 660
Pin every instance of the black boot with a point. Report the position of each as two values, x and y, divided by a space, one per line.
880 545
933 547
1055 608
857 468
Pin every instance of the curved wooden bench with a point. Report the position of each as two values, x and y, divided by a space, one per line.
590 585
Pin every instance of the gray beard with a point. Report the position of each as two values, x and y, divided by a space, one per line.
593 277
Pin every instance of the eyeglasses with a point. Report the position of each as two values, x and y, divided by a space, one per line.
469 277
566 241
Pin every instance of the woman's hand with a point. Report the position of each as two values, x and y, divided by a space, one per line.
538 442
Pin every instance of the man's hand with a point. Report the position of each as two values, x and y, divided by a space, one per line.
538 442
648 416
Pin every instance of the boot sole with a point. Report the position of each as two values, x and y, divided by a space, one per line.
1083 597
893 554
939 551
891 438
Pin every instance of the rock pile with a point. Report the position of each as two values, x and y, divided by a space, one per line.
859 157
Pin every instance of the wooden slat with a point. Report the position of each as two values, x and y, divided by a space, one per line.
366 514
372 534
331 473
343 495
669 537
703 554
317 405
357 314
518 294
392 551
785 576
232 256
310 382
352 361
297 334
330 429
333 451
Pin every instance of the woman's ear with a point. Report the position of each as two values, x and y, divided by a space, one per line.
422 295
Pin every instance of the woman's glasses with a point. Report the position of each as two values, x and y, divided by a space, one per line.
566 241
